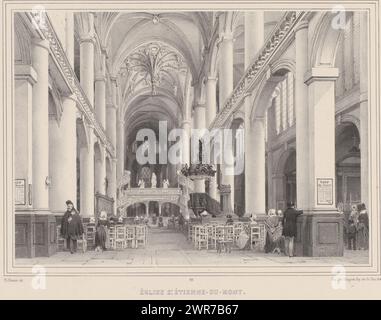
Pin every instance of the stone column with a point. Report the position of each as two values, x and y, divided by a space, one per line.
211 111
254 39
87 61
120 148
186 126
301 111
226 68
100 170
63 157
146 204
225 90
87 176
63 140
25 78
160 208
364 126
211 101
111 133
321 226
320 158
199 116
258 182
100 99
40 131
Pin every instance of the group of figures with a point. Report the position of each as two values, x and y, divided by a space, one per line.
357 228
281 230
125 182
142 184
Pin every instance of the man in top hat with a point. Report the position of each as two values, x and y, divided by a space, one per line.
289 227
71 227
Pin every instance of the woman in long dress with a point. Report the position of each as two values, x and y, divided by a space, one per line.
363 228
101 235
273 232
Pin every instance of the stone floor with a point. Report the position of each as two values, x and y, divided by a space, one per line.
169 247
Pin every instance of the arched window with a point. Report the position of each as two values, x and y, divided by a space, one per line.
284 104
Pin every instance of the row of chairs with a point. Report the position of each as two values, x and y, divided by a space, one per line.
127 236
120 237
216 236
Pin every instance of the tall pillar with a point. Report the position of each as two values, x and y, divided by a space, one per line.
113 183
87 60
63 140
271 132
111 133
254 39
120 148
100 99
63 157
258 182
87 176
199 116
100 170
186 126
226 68
320 228
301 111
211 101
40 132
364 127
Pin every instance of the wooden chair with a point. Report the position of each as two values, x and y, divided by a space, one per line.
255 236
82 244
210 231
218 237
130 236
238 228
201 237
112 236
90 231
140 236
61 242
228 238
120 237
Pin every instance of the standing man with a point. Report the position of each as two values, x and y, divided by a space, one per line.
71 227
289 227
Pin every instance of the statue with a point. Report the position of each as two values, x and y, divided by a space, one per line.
153 180
124 181
141 184
165 183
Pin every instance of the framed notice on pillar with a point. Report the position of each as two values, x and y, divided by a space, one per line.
324 191
20 192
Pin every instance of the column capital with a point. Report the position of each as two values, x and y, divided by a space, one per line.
321 74
25 72
43 43
111 106
224 36
100 77
199 105
185 122
301 25
86 39
211 78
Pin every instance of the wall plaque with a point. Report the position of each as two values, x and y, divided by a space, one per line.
325 191
20 192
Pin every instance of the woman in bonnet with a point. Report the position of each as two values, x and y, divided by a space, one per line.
101 236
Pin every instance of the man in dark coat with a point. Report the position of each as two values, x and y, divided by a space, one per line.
71 227
289 227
